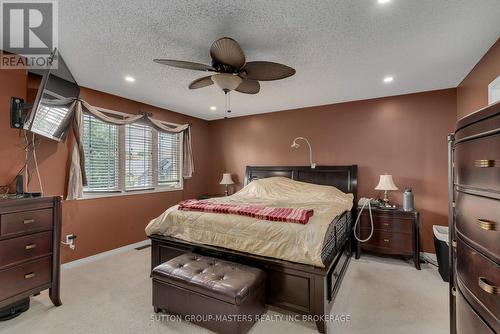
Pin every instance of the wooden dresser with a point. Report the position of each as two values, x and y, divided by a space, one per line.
395 232
30 230
475 223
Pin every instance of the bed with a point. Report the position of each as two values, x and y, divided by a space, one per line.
303 283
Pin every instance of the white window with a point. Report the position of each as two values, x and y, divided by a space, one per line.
129 159
138 156
169 165
100 145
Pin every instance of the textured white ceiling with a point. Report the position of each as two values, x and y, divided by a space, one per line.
340 49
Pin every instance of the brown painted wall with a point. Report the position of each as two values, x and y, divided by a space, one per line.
12 83
109 223
401 135
105 223
472 93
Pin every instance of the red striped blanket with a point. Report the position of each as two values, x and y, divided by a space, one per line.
289 215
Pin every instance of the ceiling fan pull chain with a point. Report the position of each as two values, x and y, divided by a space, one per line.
229 102
225 104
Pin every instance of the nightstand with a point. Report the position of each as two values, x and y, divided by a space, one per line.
395 233
210 196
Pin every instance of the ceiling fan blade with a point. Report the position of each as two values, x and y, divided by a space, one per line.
184 64
266 71
228 52
201 82
248 86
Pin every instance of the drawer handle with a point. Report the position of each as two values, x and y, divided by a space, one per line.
30 275
385 224
485 163
486 286
386 240
30 246
28 221
486 224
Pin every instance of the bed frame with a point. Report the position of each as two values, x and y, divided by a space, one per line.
296 287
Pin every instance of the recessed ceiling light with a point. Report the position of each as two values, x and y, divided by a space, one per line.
129 78
383 1
388 79
213 108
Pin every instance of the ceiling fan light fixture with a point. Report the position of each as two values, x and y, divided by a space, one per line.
226 81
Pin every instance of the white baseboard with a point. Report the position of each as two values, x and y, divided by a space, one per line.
103 255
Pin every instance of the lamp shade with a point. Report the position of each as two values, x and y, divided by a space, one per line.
226 81
386 183
226 179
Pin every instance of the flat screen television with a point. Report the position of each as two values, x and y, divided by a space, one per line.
47 119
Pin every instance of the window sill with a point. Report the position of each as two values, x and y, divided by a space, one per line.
94 195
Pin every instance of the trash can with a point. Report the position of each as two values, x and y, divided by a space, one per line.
442 250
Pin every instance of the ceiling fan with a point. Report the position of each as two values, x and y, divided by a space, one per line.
231 71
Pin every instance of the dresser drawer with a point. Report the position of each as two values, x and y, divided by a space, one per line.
468 321
387 223
480 276
480 122
478 219
16 250
477 163
24 277
26 221
387 242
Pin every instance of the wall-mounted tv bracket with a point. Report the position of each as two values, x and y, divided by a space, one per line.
18 112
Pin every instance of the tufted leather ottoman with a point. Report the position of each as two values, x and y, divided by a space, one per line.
222 296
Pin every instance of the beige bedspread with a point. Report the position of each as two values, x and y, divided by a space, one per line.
287 241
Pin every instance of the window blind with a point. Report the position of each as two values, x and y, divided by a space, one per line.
130 157
51 120
138 156
168 159
100 144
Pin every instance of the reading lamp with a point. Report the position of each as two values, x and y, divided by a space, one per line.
386 183
226 181
295 145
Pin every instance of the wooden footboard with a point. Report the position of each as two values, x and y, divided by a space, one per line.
300 288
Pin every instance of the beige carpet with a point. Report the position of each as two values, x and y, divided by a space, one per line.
113 295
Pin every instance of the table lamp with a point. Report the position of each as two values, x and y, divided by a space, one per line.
386 183
226 181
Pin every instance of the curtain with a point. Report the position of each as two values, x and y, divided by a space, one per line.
77 176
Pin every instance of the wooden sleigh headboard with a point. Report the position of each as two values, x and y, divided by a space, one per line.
345 178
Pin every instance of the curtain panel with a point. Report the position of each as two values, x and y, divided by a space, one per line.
77 176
